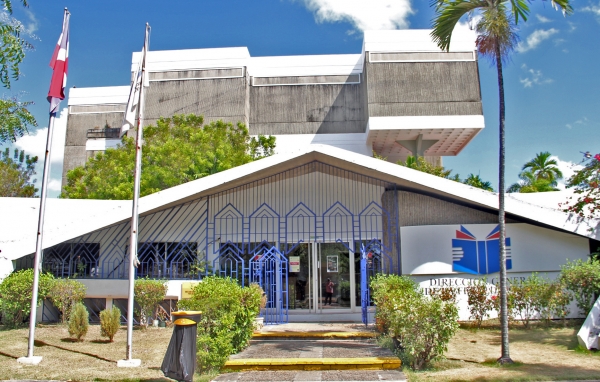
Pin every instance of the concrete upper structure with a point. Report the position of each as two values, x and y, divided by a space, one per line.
400 95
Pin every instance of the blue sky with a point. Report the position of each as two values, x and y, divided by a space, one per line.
552 82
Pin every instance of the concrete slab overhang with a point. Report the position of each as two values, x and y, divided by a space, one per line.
68 219
451 134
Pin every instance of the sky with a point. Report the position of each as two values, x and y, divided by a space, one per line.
551 81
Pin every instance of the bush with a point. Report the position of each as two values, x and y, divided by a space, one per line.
421 326
148 294
110 322
444 294
16 293
227 324
582 278
479 302
79 321
64 294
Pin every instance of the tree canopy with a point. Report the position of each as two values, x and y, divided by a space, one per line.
586 183
476 181
175 151
539 175
16 174
14 116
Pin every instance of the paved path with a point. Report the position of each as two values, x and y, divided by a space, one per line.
313 352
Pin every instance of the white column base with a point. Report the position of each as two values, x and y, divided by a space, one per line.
129 363
33 360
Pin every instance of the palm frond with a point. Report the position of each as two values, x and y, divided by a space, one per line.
448 14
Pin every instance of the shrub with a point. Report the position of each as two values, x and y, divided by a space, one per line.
582 278
422 326
148 294
227 324
444 294
479 302
110 322
560 301
528 297
79 321
16 293
64 294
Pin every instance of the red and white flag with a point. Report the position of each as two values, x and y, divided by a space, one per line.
132 110
59 64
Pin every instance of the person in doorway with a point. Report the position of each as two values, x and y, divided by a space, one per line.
328 291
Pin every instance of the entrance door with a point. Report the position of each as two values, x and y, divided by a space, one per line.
322 278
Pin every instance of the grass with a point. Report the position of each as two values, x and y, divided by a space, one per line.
95 359
540 354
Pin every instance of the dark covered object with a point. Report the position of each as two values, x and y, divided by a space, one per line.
180 360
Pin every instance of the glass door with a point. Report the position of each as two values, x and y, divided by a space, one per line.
322 278
332 280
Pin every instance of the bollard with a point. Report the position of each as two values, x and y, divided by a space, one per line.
180 360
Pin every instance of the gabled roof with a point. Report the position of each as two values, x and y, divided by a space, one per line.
68 219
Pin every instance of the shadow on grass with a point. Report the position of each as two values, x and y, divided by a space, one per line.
8 355
69 339
100 341
40 343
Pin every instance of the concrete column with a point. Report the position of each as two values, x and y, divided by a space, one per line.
109 303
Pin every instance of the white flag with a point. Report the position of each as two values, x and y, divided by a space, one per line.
132 110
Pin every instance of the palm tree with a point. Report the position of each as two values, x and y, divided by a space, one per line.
544 168
530 182
476 181
496 39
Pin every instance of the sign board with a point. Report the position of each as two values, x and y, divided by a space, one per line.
186 289
294 262
590 330
474 249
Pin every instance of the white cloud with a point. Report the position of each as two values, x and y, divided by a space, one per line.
535 39
32 26
534 77
35 145
363 15
582 121
542 19
54 185
568 170
594 9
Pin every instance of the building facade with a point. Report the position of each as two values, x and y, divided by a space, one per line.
400 96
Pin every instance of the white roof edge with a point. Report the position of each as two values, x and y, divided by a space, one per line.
106 214
98 95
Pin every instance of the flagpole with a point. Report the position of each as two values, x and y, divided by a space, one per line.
133 240
31 359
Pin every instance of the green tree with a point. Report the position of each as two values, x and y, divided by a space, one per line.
16 292
544 168
14 116
420 164
16 173
148 294
177 150
476 181
531 183
496 39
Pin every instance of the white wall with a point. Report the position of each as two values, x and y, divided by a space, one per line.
427 255
427 250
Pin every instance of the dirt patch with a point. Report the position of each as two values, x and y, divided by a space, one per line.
540 354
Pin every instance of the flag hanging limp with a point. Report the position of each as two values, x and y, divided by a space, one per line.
59 64
131 112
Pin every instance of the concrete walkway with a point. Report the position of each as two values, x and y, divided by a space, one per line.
313 352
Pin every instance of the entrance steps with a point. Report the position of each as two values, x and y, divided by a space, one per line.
314 347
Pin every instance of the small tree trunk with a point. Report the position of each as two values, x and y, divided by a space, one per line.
505 357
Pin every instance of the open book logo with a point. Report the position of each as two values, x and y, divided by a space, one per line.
478 257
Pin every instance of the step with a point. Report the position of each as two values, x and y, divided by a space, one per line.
363 363
313 335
